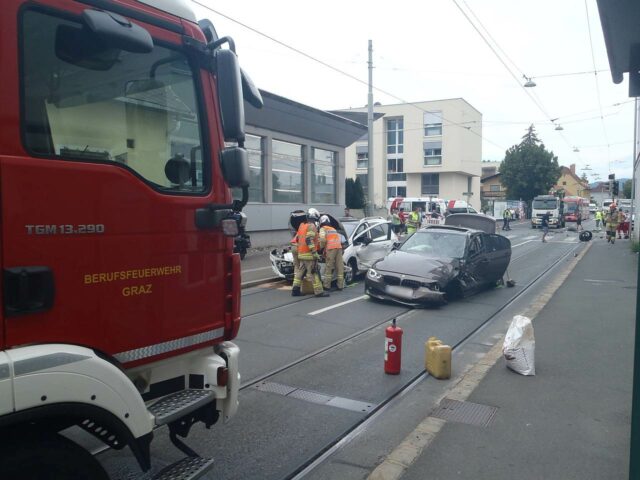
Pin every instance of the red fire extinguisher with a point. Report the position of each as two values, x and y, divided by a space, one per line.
393 349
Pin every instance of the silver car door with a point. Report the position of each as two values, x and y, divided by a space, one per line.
378 241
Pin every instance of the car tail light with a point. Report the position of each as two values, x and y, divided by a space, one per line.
222 376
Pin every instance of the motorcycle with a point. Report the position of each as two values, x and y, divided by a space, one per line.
242 242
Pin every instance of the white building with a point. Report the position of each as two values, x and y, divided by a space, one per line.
420 149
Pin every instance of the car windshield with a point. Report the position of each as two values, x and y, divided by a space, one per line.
435 244
571 207
349 227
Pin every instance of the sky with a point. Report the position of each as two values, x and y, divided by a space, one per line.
316 53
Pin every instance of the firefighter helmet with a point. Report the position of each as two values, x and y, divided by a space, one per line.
313 214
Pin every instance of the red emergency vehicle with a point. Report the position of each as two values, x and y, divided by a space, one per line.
574 205
120 288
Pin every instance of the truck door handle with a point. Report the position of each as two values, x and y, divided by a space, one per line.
28 290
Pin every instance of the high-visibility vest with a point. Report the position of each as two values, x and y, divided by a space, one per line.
333 239
414 219
303 233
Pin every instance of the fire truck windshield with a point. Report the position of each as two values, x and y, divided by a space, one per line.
139 113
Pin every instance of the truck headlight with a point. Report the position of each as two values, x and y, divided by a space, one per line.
373 274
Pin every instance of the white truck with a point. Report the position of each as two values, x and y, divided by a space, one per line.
543 204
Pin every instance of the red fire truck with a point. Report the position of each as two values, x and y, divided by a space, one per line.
120 289
573 206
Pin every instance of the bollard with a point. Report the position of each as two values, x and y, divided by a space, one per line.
437 358
393 349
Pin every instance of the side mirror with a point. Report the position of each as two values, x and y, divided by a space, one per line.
230 95
98 44
365 240
396 245
235 167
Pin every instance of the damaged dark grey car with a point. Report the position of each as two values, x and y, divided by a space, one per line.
441 262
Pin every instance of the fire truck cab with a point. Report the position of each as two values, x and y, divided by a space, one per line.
120 289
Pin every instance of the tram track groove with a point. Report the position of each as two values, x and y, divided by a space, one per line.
311 463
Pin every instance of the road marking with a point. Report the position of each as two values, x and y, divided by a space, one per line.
530 237
256 269
528 241
322 310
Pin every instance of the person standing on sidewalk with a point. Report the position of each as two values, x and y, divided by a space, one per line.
545 226
396 221
579 221
308 256
332 246
414 221
506 217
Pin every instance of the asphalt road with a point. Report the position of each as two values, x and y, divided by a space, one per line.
312 367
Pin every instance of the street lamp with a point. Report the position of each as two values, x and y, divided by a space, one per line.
529 83
559 127
576 149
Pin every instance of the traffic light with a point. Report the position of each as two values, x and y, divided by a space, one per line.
612 176
614 191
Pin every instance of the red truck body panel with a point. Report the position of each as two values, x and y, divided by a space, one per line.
151 278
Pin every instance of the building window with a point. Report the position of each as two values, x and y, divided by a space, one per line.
432 124
393 192
430 184
395 170
395 136
432 156
323 175
255 152
494 188
363 160
287 172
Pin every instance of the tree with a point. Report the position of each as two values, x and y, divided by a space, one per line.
354 194
528 168
626 189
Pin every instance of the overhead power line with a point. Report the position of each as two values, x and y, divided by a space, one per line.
532 97
593 58
337 70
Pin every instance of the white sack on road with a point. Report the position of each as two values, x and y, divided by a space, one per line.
519 346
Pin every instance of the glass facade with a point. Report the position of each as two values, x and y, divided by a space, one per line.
323 176
287 174
255 152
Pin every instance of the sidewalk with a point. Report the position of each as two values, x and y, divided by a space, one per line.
571 420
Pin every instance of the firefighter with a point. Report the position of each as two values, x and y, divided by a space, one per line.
612 223
293 246
332 246
414 221
308 256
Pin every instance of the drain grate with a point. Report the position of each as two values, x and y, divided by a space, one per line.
314 397
273 387
465 412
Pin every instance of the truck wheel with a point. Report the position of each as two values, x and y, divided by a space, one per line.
49 456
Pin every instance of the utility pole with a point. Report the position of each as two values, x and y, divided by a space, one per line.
370 181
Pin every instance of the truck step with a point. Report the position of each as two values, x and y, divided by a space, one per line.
189 468
177 405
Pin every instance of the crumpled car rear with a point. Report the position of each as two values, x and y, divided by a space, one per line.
282 263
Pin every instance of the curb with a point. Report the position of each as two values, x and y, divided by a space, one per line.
407 452
262 281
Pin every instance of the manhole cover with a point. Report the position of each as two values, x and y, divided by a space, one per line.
465 412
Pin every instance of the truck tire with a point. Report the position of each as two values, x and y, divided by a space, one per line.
48 457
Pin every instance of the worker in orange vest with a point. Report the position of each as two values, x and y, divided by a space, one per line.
308 255
293 247
332 246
